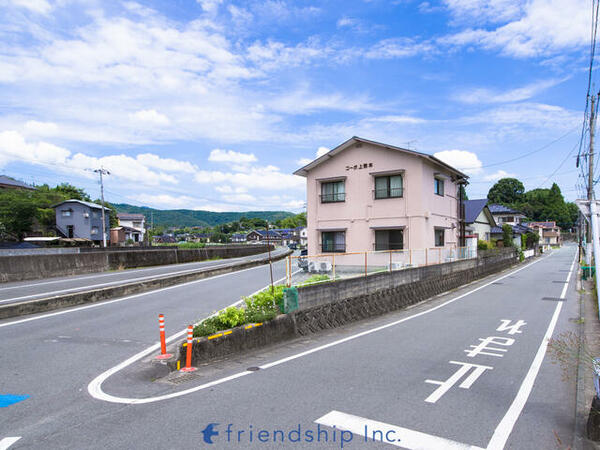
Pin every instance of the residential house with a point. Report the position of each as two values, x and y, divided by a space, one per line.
121 235
262 236
549 232
365 195
79 219
11 183
135 222
503 214
238 238
517 230
479 220
302 233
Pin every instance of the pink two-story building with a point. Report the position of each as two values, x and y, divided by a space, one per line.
365 195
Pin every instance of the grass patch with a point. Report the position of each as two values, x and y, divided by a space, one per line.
315 279
260 307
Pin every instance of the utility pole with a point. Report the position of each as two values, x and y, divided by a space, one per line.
270 261
590 187
102 171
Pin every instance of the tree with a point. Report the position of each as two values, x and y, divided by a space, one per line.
17 212
507 235
463 191
507 191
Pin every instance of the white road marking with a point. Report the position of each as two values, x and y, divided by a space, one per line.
84 288
507 424
8 441
390 434
511 329
466 384
483 349
95 387
129 297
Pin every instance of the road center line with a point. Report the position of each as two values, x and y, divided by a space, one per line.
95 386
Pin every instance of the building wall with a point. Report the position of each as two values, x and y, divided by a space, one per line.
482 227
130 224
418 211
82 226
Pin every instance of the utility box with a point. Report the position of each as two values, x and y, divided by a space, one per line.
290 299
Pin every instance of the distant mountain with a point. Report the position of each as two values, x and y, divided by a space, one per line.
192 218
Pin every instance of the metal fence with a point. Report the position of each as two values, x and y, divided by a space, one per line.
303 270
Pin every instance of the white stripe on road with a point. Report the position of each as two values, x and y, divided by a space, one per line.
507 423
95 387
8 441
84 288
389 434
129 297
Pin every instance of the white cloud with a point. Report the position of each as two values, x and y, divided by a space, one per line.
399 48
397 119
210 6
138 169
539 28
262 178
239 198
164 200
150 116
465 161
36 6
226 189
497 175
230 156
485 10
303 162
321 151
482 95
33 127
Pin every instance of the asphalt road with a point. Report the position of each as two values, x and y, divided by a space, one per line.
34 289
386 373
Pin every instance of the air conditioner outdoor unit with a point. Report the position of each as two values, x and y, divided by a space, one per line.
319 266
86 215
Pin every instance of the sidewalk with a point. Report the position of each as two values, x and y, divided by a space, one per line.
590 329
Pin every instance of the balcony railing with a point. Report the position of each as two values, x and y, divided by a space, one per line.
333 198
388 246
333 248
387 193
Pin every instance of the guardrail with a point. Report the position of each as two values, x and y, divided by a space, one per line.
302 270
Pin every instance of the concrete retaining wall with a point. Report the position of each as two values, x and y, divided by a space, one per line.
343 303
97 295
30 267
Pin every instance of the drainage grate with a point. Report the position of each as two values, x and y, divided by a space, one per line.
253 369
498 282
554 299
178 378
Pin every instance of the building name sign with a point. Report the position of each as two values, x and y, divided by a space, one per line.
359 166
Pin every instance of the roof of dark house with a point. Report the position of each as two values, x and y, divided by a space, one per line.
8 181
517 229
473 208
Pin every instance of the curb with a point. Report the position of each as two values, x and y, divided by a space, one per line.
97 295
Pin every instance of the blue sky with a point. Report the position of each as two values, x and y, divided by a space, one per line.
212 104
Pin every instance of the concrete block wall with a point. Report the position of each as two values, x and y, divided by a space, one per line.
31 267
318 294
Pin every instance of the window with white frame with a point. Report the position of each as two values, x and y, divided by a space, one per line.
66 212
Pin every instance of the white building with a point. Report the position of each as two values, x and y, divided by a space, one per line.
135 221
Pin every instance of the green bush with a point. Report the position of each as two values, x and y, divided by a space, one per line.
521 255
483 245
259 308
507 235
316 279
